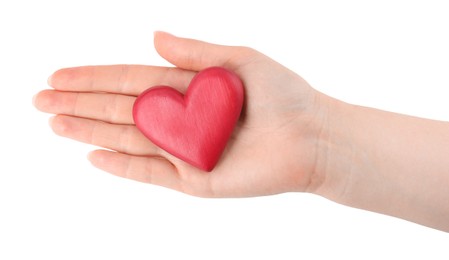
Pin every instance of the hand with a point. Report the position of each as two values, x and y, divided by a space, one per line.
289 137
274 147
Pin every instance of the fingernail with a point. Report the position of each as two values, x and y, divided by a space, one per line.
49 80
161 32
50 120
89 156
34 100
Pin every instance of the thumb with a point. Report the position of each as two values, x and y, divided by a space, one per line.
196 55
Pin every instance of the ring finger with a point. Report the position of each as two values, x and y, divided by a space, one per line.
122 138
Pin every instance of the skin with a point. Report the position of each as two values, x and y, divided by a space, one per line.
290 137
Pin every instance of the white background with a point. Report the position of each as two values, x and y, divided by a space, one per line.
392 55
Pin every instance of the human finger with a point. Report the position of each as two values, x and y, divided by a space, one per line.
196 55
121 79
112 108
154 170
122 138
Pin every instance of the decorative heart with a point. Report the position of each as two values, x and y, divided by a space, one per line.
194 127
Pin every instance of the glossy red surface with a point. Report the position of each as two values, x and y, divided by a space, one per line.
194 127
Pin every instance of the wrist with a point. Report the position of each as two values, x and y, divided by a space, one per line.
334 149
382 162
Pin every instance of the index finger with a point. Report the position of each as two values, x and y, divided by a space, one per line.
119 79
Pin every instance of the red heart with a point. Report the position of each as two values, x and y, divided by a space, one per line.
194 127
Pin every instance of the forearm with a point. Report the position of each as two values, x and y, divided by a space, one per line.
387 163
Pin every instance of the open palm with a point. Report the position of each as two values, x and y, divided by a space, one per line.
273 148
